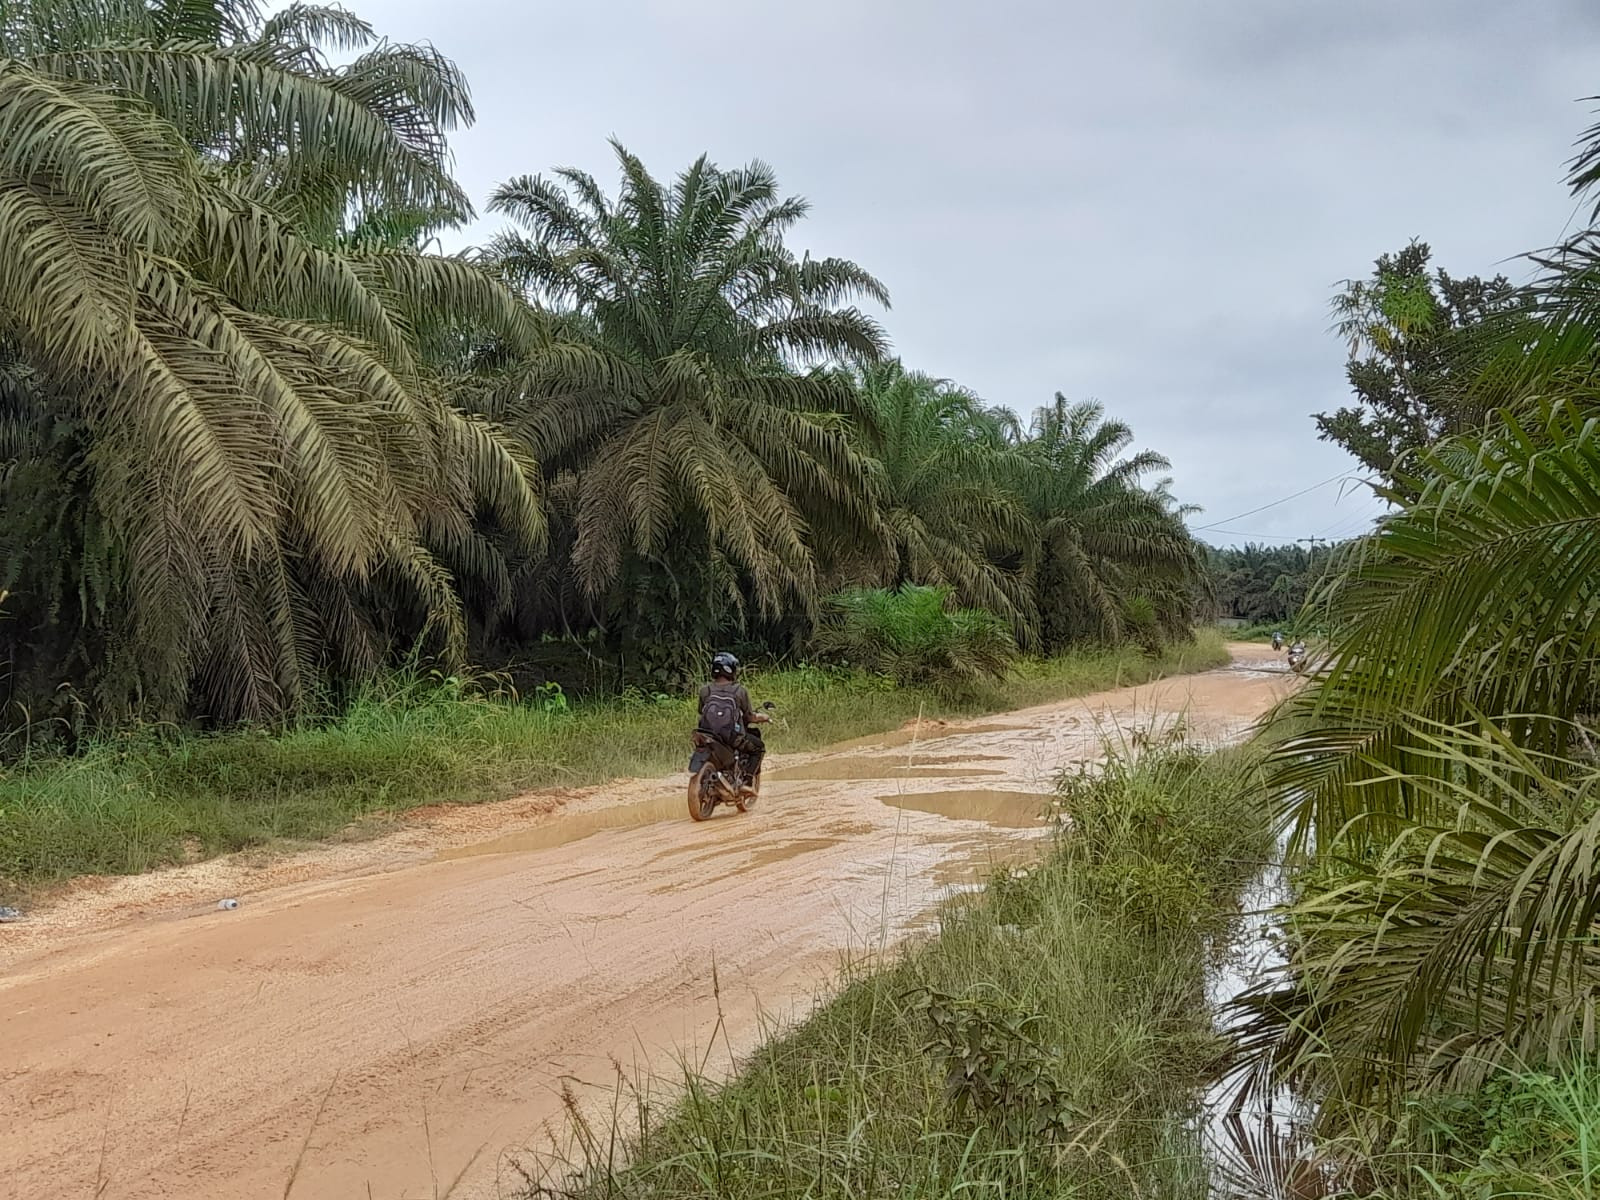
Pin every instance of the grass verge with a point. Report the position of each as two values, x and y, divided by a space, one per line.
146 801
1052 1040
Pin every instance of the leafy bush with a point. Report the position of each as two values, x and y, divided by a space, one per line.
996 1064
915 635
1155 830
1142 623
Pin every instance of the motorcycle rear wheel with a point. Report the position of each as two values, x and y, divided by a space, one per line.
702 803
745 803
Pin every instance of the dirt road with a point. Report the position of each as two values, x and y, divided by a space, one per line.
395 1018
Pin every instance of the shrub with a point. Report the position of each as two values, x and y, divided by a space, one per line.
915 635
1142 622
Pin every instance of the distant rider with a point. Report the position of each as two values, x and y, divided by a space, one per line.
1277 639
726 714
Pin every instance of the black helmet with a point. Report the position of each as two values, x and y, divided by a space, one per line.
723 663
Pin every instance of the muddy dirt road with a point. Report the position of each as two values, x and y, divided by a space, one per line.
395 1018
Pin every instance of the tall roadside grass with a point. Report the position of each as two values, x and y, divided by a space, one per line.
150 800
1051 1041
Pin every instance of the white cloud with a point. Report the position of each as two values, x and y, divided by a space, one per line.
1147 203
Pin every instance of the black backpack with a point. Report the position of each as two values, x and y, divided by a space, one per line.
720 717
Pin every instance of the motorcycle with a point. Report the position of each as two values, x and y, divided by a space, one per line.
1297 658
718 774
1277 641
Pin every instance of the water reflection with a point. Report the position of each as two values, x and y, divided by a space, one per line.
1258 1140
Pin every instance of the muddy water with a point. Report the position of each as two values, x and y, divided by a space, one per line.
1009 810
389 1017
920 733
1014 810
836 770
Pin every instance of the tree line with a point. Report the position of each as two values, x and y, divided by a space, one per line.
1259 583
257 443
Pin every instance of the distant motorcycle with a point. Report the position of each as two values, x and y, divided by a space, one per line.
719 774
1277 641
1297 658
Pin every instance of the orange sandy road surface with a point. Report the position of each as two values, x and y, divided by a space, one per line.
396 1018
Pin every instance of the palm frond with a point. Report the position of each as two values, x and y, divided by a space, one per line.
1478 597
1461 946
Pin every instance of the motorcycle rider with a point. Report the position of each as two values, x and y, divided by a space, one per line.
1277 639
726 693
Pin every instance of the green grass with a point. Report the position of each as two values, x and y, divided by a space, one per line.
150 800
1051 1041
1522 1134
1262 631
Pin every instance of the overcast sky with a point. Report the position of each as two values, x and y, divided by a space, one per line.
1147 203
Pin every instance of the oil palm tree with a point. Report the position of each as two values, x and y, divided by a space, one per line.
260 96
696 417
945 483
1477 601
258 448
1098 527
1443 754
1462 945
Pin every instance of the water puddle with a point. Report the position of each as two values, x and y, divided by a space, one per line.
784 851
967 870
830 770
769 856
922 731
1009 810
1259 670
933 760
566 828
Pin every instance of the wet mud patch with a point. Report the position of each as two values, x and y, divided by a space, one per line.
566 828
1009 810
844 770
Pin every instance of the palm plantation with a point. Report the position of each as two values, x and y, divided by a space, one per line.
1048 527
946 475
258 444
261 448
1105 538
695 425
242 450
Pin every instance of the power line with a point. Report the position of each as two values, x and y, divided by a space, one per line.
1274 504
1370 511
1352 527
1254 537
